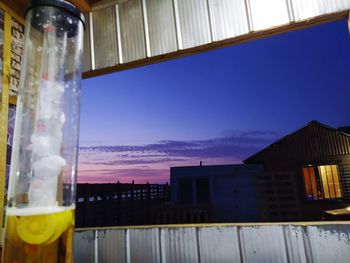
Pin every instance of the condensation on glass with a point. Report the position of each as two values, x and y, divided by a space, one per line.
43 171
42 184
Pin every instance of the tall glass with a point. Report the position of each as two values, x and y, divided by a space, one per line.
42 185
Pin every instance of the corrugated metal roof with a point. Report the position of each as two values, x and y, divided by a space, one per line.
317 243
223 23
146 29
161 27
131 31
317 139
104 38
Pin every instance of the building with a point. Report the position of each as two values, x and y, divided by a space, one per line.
228 190
305 173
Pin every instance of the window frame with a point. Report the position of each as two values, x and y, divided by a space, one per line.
319 182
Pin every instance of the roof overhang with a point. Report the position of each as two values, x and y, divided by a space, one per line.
123 34
19 6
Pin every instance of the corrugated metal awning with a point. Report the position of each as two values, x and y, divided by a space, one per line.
138 32
122 34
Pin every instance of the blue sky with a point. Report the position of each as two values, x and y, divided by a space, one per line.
219 106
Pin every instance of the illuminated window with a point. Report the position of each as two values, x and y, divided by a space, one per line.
322 182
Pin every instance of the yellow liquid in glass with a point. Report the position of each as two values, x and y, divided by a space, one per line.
33 237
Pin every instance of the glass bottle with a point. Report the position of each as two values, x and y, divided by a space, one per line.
42 184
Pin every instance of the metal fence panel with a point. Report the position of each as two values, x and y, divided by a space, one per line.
179 245
111 246
105 38
161 26
132 35
295 237
218 244
228 18
84 247
193 22
268 243
268 13
263 244
144 245
330 243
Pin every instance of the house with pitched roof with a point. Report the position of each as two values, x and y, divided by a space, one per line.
305 173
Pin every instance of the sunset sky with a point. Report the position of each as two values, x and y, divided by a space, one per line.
219 107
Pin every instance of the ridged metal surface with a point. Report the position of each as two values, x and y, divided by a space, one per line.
193 22
144 245
322 243
264 244
228 18
268 13
179 245
84 247
87 48
330 238
136 29
297 244
111 246
223 240
161 26
104 37
132 31
305 9
325 141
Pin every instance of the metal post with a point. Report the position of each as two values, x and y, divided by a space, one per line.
96 246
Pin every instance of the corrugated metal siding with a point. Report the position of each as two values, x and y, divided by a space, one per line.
268 13
104 37
228 18
223 240
263 244
179 245
111 246
345 171
311 142
297 247
161 26
132 35
144 245
256 243
330 243
194 28
84 246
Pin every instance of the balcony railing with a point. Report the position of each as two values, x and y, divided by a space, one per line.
277 242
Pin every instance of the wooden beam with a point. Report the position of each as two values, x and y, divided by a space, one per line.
14 8
83 5
19 6
101 4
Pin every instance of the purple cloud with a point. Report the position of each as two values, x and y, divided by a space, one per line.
151 162
238 145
